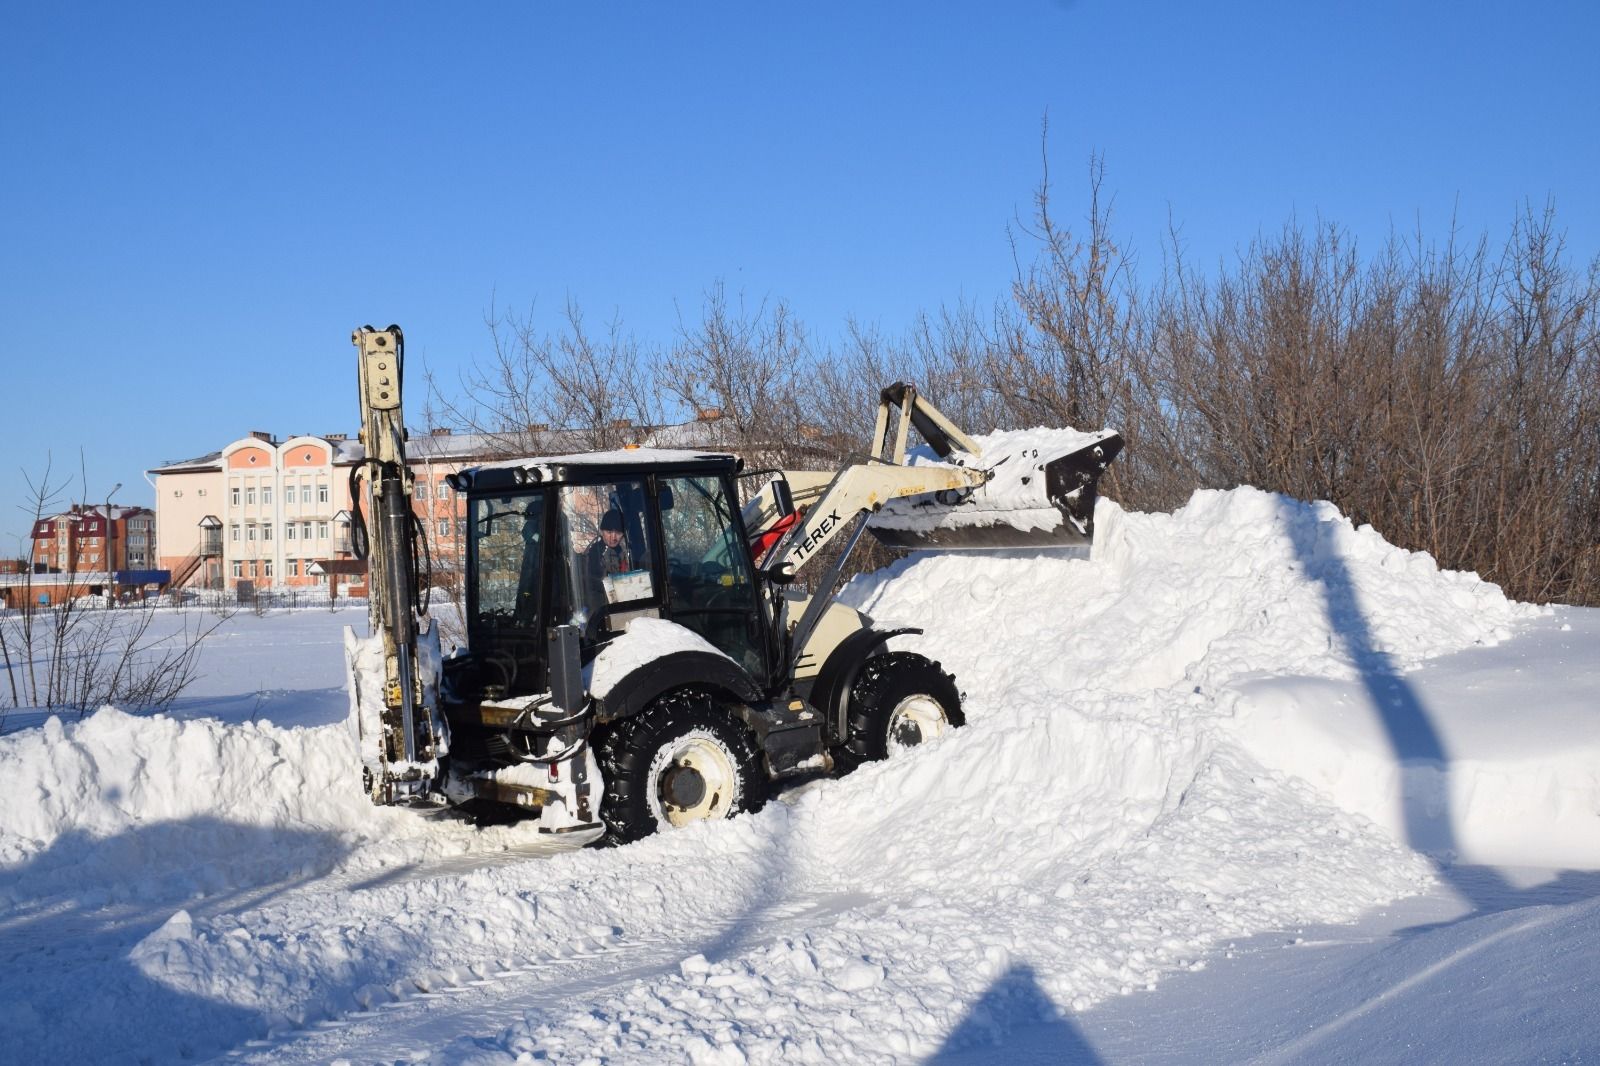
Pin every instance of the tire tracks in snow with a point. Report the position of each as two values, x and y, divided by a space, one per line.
1298 1049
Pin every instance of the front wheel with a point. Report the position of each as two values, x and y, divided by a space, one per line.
680 760
900 699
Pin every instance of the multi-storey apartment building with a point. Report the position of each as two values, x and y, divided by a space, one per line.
275 512
87 539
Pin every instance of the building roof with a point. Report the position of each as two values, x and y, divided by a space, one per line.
338 566
208 461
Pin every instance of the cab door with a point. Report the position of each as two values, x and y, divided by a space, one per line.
710 582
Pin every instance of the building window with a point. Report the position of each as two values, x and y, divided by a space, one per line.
444 527
266 494
233 496
238 568
233 532
250 531
294 567
250 496
322 492
305 530
266 568
266 531
288 530
252 568
322 531
461 527
202 492
422 490
288 494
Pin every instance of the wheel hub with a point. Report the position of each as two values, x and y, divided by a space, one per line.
916 720
692 779
682 786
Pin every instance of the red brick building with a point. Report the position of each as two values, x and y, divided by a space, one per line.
84 539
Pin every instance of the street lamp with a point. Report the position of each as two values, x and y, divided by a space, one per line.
111 580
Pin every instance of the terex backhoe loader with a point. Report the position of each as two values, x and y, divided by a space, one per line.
639 655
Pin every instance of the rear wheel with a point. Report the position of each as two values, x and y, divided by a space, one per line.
900 699
680 760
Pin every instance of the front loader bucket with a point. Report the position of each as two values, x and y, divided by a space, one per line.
1040 494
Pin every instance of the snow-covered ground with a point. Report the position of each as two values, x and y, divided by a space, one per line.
1248 784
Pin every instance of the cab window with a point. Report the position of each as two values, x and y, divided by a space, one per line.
607 546
708 569
505 543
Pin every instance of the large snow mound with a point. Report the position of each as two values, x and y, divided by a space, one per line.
1234 583
1097 824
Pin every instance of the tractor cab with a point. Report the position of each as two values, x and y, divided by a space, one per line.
597 541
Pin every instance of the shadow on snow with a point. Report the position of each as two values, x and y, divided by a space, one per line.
1429 822
70 916
1014 1021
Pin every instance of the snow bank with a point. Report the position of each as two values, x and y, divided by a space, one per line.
1458 758
114 770
75 795
1098 823
1234 583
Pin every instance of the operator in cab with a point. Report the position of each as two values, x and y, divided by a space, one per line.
609 553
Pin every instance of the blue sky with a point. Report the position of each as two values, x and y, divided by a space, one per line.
201 200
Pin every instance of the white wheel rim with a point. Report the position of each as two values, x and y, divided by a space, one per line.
916 720
697 752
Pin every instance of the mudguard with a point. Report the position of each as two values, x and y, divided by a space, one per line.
830 692
632 692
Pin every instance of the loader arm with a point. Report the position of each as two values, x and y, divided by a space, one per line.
397 719
861 488
831 500
1033 490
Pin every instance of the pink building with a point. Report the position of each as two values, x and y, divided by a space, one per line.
272 512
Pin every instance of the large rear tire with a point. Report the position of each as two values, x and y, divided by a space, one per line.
682 759
900 699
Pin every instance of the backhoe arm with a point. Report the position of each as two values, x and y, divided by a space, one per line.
401 731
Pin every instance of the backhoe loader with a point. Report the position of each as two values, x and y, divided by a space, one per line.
640 653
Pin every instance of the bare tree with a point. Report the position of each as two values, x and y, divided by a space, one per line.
572 389
742 368
62 656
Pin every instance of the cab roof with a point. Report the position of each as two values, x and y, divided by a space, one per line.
592 466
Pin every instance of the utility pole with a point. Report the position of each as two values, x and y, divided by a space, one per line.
111 532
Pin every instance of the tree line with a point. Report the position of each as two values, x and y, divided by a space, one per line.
1446 391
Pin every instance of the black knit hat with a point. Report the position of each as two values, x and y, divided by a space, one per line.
612 521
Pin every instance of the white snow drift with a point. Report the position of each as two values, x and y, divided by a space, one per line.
1104 818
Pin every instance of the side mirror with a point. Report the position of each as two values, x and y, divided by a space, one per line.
779 573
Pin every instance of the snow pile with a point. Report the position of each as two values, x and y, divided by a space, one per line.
1234 583
1483 756
76 794
1097 824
